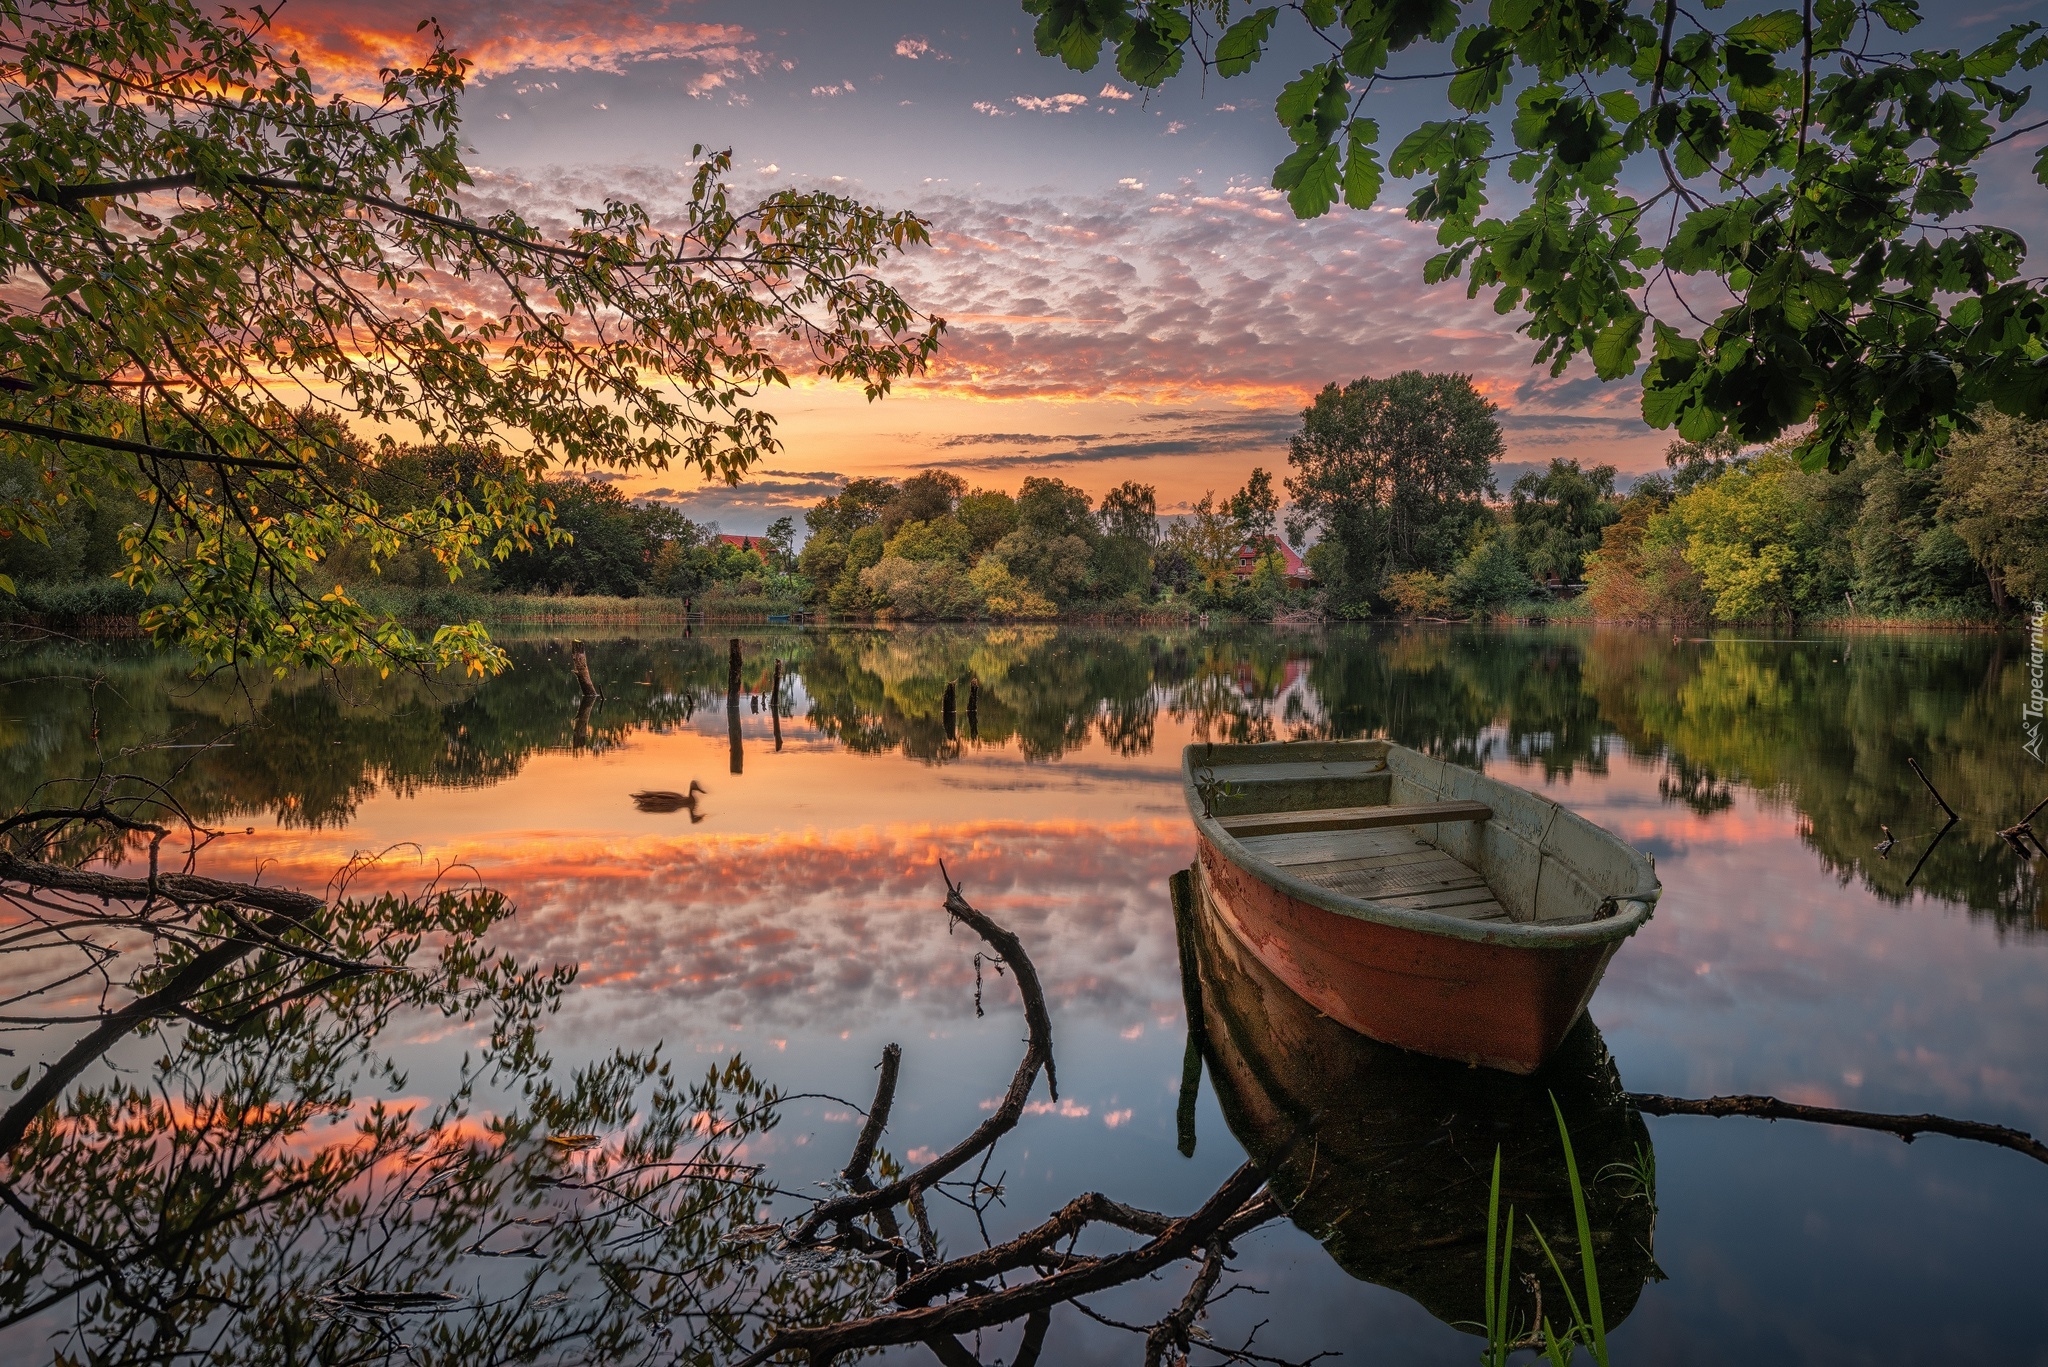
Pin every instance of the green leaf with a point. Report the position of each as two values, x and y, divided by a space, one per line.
1618 346
7 586
1156 47
1298 97
1362 175
1773 32
1310 178
1244 42
1321 13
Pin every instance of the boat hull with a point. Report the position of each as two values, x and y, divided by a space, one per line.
1505 1006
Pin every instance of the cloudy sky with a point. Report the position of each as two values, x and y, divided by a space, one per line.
1125 296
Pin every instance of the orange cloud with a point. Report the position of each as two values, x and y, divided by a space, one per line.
347 45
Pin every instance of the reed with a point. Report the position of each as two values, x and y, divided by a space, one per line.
1587 1323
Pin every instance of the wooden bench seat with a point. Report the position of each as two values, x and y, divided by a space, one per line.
1355 818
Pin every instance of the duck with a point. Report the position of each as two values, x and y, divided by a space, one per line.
1884 847
662 800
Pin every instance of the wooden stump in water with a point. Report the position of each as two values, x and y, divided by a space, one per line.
775 690
946 710
732 727
579 662
732 670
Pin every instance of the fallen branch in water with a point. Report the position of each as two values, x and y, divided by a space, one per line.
939 1299
1904 1126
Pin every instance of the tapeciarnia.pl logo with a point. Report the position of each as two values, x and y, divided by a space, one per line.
2037 695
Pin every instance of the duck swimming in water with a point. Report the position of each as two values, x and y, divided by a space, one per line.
661 800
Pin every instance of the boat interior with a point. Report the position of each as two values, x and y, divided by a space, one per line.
1380 823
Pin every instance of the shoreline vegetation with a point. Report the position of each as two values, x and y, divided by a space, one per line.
1392 484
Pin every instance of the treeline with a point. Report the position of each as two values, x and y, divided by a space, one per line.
928 547
1394 477
603 542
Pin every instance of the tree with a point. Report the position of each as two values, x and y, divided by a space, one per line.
989 515
1207 540
924 497
782 536
1055 508
858 505
1994 492
1798 157
208 289
1131 510
1391 473
1692 463
1558 516
1255 508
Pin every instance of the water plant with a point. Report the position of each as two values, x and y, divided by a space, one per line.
1587 1322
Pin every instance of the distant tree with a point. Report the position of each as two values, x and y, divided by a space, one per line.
989 515
1558 516
609 547
1132 510
1207 540
924 497
1391 475
1994 492
1692 463
1492 575
1255 509
782 536
1056 508
942 538
858 505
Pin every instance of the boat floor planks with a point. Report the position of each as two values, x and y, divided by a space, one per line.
1393 867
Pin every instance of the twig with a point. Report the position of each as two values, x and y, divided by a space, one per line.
855 1174
1904 1126
1915 765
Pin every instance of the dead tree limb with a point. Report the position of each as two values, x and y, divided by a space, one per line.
823 1343
939 1300
855 1174
1037 1055
1904 1126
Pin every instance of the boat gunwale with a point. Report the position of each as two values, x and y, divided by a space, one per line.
1633 909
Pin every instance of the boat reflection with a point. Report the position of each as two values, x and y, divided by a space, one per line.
1385 1157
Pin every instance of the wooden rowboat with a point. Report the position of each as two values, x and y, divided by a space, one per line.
1416 902
1384 1156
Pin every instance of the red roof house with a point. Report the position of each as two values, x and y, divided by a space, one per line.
1292 566
757 544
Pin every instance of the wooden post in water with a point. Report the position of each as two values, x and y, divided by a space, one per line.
732 670
732 730
580 663
973 708
946 711
775 690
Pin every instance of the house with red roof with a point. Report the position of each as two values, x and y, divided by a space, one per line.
757 544
1292 567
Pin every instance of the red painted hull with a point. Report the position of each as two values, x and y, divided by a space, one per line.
1503 1006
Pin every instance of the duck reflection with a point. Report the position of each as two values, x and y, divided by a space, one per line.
1385 1157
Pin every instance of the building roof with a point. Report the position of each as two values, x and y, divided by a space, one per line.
1291 564
757 544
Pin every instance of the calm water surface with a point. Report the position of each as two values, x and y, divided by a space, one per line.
794 916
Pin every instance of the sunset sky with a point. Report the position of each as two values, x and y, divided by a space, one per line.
1125 296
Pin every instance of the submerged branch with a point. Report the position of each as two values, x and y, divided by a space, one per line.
1904 1126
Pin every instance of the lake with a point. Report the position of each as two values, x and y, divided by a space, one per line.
792 916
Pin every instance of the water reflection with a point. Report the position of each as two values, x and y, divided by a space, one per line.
1824 726
1384 1157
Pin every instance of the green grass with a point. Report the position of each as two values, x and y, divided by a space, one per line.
1587 1325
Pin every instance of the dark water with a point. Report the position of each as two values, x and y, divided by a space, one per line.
792 918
